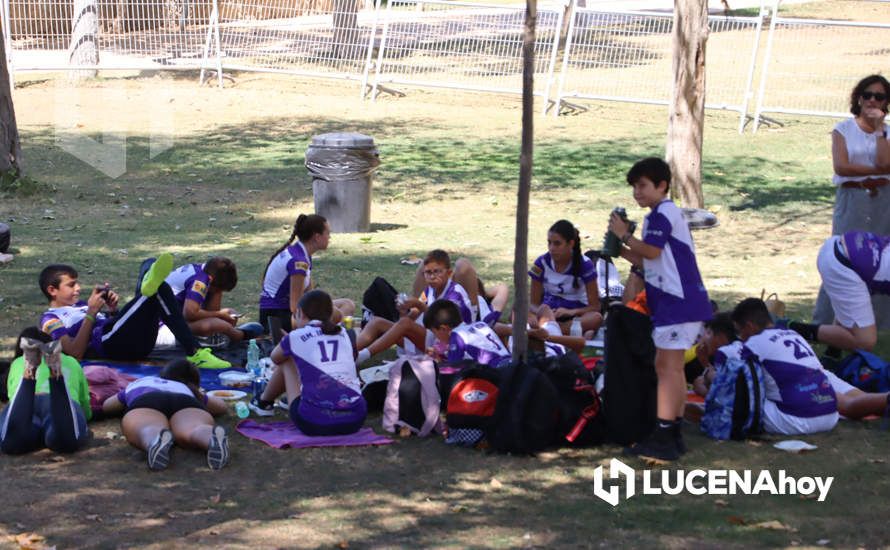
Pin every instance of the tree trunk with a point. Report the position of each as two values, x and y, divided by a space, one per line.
346 30
84 47
11 155
526 157
687 111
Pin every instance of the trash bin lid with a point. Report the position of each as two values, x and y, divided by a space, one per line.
343 140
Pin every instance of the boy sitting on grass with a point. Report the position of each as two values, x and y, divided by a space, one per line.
675 295
126 334
199 289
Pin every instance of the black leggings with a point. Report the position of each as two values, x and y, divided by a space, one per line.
133 332
32 422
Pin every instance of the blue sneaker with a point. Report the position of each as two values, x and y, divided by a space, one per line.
251 330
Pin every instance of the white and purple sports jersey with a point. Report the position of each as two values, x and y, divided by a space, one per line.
66 321
478 342
293 260
869 256
454 292
331 392
151 384
558 285
189 282
793 377
674 288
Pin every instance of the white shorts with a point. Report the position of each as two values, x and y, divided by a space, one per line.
680 336
845 288
777 422
839 386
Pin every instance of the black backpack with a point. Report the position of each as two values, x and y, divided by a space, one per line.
380 300
580 421
527 415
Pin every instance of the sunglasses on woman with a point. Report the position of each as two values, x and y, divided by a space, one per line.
873 95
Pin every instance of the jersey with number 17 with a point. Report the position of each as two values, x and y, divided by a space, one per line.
326 366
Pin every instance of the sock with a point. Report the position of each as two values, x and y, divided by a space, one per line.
665 424
363 355
156 274
807 330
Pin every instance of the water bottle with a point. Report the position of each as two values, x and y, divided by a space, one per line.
255 368
241 409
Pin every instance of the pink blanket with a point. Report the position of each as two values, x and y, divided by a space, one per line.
282 435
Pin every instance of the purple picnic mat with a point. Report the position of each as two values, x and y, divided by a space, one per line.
284 434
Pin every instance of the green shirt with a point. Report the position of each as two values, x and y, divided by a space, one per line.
75 381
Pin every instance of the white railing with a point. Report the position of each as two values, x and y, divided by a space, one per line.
627 57
812 65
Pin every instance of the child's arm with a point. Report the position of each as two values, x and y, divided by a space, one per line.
535 295
636 249
192 311
76 347
216 406
112 406
297 281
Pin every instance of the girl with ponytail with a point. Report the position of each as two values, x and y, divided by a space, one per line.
565 280
320 375
289 270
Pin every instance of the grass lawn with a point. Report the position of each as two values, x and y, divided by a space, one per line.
233 182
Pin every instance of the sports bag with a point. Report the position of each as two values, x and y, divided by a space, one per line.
527 415
734 405
379 300
866 371
412 397
580 421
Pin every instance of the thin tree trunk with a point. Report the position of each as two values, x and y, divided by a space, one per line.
11 155
526 159
84 47
687 111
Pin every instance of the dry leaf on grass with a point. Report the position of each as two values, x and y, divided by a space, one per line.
93 517
775 525
458 508
344 544
495 484
31 541
721 502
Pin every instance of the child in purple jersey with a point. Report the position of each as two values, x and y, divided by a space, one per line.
565 280
171 408
675 295
486 302
96 328
853 266
199 289
288 273
320 374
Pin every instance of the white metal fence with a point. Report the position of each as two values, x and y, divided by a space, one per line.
806 67
811 65
627 57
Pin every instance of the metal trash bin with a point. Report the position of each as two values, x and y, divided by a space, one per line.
342 166
5 237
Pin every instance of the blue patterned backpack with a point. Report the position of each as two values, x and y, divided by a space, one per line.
734 405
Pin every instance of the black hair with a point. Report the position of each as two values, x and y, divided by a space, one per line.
653 168
34 333
182 370
304 228
752 310
438 256
224 273
442 312
569 232
52 276
318 306
722 324
855 108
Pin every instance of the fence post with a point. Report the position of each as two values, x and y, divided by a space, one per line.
751 69
565 59
370 54
553 51
380 51
766 58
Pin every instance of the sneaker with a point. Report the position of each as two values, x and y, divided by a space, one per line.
218 449
33 354
204 359
659 447
266 408
282 403
251 330
159 451
52 354
216 340
156 274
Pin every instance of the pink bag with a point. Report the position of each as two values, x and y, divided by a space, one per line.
104 382
412 397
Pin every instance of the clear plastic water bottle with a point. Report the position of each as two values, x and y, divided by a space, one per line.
255 368
241 409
